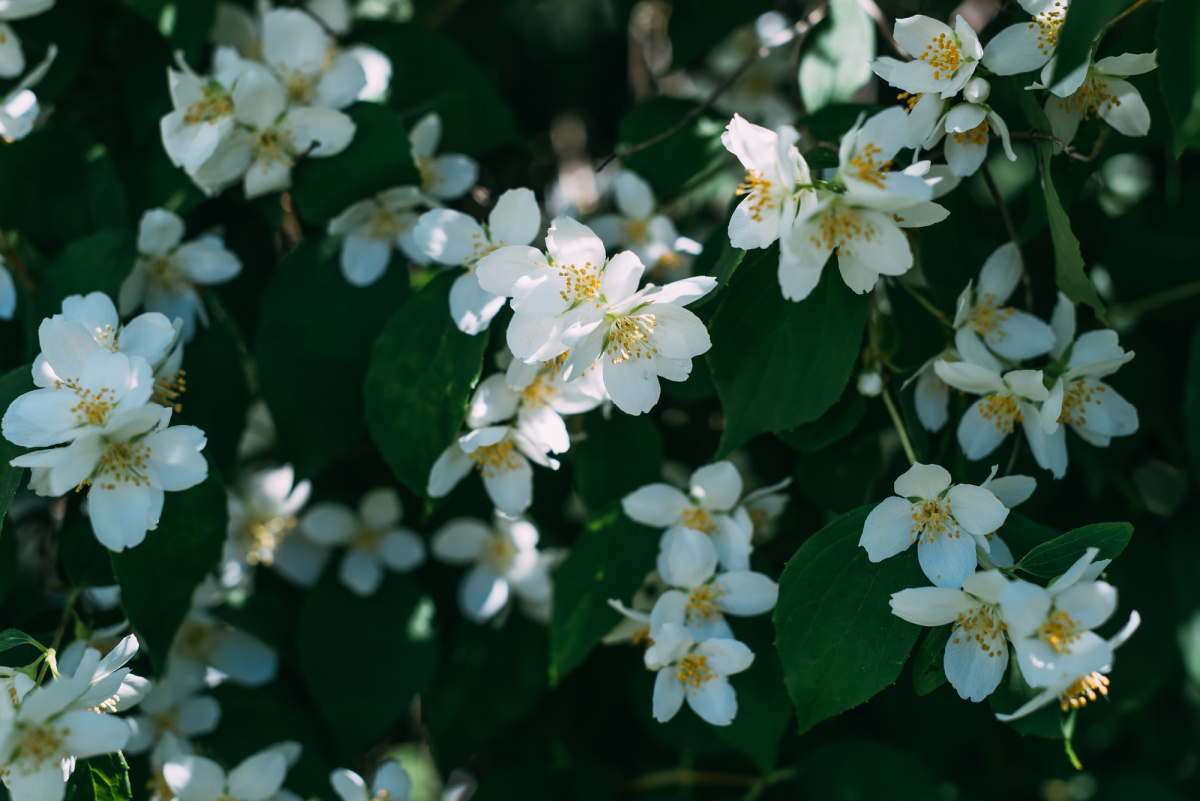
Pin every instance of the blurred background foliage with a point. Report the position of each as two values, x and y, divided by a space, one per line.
541 91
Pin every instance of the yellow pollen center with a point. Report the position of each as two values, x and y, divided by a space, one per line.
1090 99
197 640
492 458
384 224
106 337
988 315
1048 24
866 168
838 227
425 168
1003 410
636 231
693 670
629 338
942 54
93 407
583 283
1076 399
699 519
263 537
500 550
367 539
107 705
704 603
931 518
982 626
168 389
163 271
210 108
274 144
39 745
1059 632
976 136
1083 690
910 98
759 190
299 89
761 522
540 392
122 461
642 637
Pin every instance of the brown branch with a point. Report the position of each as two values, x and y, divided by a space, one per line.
1071 151
11 256
1012 229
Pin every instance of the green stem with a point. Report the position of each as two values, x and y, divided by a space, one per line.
1124 14
894 413
937 313
1137 308
58 636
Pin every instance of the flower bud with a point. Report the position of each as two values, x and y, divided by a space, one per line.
976 90
870 383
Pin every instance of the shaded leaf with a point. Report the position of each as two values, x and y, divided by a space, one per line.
680 160
1053 558
12 384
617 456
696 26
1179 70
96 263
1079 31
837 56
927 671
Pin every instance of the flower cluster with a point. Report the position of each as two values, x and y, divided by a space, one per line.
107 391
704 564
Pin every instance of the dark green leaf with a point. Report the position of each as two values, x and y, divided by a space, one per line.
836 424
1053 558
475 118
379 158
100 778
604 472
1079 31
1068 261
389 643
12 384
719 259
97 263
821 158
1179 70
682 159
610 560
85 561
927 671
763 708
779 364
837 56
11 638
185 25
158 577
828 124
840 478
8 556
696 26
1023 534
834 630
313 342
422 371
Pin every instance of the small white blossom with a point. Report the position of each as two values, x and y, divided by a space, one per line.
636 226
1007 399
1100 90
20 110
217 651
695 672
391 783
176 706
1026 46
945 58
501 454
374 229
946 521
777 187
258 778
1010 333
12 56
262 530
445 177
372 536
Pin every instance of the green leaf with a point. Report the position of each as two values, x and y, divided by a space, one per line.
1068 261
1083 24
85 561
763 708
185 25
313 342
1023 534
779 364
12 384
719 259
475 118
100 778
387 641
11 638
158 576
828 124
696 26
1052 559
609 560
834 630
833 426
837 56
422 371
682 159
1011 694
821 158
927 671
97 263
1179 70
379 158
604 469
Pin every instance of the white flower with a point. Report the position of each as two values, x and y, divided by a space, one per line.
1007 399
1025 47
1093 409
166 274
257 778
966 127
505 561
451 237
571 299
312 71
12 57
538 403
373 229
262 530
8 292
945 58
1075 692
372 535
20 110
501 454
89 323
445 177
49 727
203 109
863 223
777 187
1051 627
129 464
976 652
635 226
1099 89
936 515
175 705
701 598
263 150
391 783
109 387
1010 491
1010 333
217 650
710 506
634 627
698 673
764 506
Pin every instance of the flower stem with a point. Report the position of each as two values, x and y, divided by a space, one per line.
1137 308
937 313
1013 236
894 413
58 635
1125 14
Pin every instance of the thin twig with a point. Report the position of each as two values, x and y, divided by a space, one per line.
1071 151
1012 460
800 27
11 256
881 22
58 635
894 413
937 313
1125 13
686 777
1137 308
1013 236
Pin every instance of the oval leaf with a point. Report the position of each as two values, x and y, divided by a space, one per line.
1053 558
